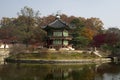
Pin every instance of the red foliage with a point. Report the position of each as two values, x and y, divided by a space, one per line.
108 38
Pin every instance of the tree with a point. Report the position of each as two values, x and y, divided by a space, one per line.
78 39
113 30
5 21
39 36
109 39
115 33
6 29
115 40
28 12
67 19
94 23
26 22
80 42
46 20
94 26
88 33
25 28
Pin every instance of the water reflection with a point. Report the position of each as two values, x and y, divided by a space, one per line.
60 72
108 71
80 73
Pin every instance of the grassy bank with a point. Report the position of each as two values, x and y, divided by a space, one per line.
53 56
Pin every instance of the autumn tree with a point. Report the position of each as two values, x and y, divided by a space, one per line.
85 30
116 47
93 26
24 28
78 40
108 41
26 24
67 19
114 30
6 29
46 20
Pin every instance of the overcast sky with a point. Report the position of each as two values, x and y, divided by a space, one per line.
107 10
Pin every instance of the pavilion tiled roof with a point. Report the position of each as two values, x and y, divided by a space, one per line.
58 23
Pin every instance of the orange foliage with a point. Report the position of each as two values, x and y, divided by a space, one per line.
88 33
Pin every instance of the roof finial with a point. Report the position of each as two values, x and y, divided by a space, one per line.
58 14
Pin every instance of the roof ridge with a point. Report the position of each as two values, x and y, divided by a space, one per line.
63 22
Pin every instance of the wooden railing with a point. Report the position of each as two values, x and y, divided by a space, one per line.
61 37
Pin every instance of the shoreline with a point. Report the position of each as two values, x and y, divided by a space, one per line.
43 61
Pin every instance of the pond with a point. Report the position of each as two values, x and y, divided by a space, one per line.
106 71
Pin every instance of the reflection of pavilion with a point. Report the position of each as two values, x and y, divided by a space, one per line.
82 73
59 74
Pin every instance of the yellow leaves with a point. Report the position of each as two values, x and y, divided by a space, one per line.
91 28
88 33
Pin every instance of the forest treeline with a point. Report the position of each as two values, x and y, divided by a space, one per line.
27 28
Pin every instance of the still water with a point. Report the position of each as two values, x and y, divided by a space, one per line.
106 71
